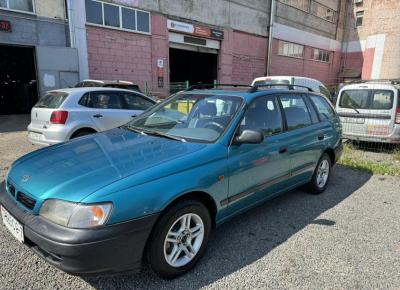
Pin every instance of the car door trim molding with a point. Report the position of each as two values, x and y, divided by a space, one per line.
265 185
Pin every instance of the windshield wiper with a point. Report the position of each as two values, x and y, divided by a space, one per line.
134 129
160 134
354 108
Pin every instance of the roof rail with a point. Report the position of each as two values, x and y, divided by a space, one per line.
391 81
254 88
214 86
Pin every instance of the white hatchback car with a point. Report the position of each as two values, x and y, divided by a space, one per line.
64 114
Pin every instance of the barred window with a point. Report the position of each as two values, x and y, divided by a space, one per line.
291 49
323 11
320 55
359 18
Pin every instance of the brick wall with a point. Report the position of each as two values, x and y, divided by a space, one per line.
242 57
119 55
326 72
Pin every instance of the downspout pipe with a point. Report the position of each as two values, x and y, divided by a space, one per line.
270 36
70 23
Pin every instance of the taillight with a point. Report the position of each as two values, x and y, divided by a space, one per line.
59 117
398 115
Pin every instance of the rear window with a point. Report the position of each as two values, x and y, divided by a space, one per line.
51 100
325 111
367 99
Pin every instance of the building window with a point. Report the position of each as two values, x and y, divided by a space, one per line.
291 49
320 55
359 18
300 4
117 16
20 5
323 11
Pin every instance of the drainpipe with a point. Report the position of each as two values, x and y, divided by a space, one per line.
70 23
270 32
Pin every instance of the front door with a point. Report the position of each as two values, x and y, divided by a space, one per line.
258 171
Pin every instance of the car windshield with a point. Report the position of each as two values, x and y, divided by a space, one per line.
52 100
367 99
189 117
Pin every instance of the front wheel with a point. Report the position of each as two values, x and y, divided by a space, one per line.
321 175
179 239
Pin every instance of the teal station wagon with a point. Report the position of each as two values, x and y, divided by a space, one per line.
155 188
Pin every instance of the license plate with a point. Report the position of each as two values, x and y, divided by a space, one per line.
353 120
35 136
16 229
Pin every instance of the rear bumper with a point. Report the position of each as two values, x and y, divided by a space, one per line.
393 138
106 250
48 136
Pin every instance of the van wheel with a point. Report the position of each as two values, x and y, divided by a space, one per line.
179 239
321 176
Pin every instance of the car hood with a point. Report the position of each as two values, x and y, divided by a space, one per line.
75 169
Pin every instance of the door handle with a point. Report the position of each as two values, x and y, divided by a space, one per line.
283 150
97 116
321 137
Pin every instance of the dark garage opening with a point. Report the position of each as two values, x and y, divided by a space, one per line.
195 67
18 81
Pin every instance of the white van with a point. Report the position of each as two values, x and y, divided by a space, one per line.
370 111
314 84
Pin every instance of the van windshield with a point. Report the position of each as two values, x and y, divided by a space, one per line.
367 99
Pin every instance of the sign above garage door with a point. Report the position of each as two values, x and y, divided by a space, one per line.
197 30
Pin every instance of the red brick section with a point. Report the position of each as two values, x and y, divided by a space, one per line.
242 57
119 55
326 72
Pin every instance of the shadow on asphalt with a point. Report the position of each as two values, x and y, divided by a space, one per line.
14 123
250 236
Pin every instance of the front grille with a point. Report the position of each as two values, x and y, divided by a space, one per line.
26 200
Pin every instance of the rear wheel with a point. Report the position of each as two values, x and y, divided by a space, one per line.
81 133
321 175
179 239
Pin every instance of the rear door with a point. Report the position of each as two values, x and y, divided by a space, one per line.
134 104
105 109
367 112
306 136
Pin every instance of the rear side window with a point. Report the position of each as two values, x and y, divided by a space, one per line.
102 100
296 111
135 102
325 111
52 100
367 99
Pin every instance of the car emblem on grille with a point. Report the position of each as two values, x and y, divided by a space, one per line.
25 178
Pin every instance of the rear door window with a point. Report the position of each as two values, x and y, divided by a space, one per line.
104 100
296 111
325 111
52 100
135 102
367 99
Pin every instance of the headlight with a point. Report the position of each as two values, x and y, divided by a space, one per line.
75 215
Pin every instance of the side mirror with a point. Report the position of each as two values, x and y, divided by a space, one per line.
249 137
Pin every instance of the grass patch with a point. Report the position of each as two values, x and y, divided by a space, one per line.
349 158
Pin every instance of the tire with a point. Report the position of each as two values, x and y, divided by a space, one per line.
160 252
319 182
81 133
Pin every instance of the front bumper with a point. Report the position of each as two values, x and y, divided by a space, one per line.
106 250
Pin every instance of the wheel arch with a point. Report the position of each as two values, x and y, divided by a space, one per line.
331 154
81 129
